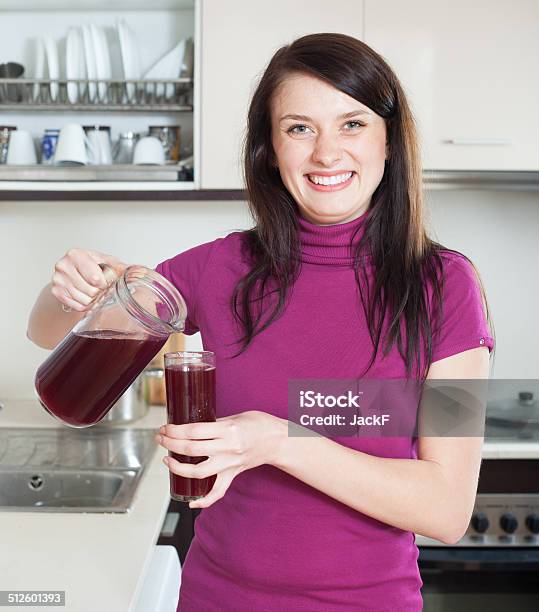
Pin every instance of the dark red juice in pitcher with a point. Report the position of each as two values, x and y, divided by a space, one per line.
88 372
190 399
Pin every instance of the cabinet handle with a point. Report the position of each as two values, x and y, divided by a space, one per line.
477 141
169 525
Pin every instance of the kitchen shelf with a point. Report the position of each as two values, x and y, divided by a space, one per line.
157 192
155 95
112 172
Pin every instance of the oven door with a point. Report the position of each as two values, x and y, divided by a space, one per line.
476 579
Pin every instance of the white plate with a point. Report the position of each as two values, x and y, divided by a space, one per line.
75 65
168 67
39 67
130 55
102 59
53 63
89 55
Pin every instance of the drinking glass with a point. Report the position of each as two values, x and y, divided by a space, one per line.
190 390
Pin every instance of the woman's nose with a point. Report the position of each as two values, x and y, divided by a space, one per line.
327 151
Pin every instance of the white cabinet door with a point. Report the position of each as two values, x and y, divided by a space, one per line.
239 38
470 69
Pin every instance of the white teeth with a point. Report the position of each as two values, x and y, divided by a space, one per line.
329 180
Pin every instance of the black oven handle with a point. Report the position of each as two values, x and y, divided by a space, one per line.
478 558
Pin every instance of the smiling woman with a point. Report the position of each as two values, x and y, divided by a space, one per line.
336 280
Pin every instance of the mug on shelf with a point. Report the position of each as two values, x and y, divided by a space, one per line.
99 137
74 147
21 149
149 151
48 145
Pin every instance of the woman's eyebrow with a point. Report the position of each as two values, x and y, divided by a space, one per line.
353 113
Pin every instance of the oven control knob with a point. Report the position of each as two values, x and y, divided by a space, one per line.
508 522
532 523
480 522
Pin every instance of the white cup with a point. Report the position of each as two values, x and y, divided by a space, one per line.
100 145
21 149
149 150
74 147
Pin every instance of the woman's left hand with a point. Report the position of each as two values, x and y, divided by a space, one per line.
232 444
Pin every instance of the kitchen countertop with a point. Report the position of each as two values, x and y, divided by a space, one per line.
99 559
510 449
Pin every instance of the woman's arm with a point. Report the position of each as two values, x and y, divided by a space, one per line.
432 495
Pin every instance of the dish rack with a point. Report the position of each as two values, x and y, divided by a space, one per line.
97 94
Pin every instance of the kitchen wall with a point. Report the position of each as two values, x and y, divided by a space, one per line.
496 229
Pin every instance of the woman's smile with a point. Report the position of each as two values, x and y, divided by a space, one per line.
330 182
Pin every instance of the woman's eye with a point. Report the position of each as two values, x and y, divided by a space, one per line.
297 129
356 124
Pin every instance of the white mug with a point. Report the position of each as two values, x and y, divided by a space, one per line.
100 144
149 150
74 147
21 149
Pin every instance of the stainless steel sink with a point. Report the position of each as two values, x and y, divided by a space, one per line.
65 470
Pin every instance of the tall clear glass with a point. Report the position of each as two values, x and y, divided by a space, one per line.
190 389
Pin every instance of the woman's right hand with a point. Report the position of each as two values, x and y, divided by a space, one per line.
77 277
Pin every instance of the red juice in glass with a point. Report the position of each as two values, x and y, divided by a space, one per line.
89 371
190 388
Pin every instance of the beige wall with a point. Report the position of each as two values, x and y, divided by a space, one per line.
496 229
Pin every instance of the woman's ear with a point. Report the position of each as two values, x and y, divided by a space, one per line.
387 150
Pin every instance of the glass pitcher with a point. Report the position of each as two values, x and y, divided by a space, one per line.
124 328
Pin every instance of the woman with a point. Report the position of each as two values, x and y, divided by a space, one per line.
336 280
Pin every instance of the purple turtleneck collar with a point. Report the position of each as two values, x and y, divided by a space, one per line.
330 244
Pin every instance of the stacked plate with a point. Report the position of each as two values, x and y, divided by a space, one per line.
130 56
88 57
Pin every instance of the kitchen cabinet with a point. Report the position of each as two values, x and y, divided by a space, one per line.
156 28
469 69
239 38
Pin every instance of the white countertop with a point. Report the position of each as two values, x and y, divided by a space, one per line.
100 560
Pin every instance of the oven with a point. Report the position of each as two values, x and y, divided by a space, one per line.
495 566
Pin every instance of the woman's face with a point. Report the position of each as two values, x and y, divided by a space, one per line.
321 135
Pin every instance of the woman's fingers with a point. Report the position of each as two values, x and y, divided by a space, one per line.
193 448
220 487
204 469
66 275
65 298
74 291
195 431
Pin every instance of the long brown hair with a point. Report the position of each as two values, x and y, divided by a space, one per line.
404 258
